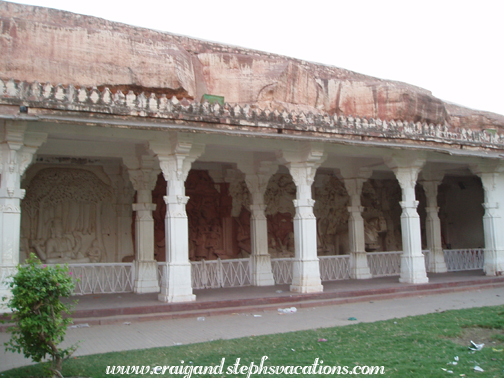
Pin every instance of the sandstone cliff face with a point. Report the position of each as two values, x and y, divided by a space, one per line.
60 47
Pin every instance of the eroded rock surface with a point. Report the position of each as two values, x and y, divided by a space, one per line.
47 45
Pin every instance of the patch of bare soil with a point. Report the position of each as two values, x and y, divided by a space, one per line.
479 336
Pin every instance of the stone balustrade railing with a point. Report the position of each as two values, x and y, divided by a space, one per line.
70 98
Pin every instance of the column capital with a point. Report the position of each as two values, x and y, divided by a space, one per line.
257 175
353 187
431 175
431 191
176 155
32 142
142 171
17 149
406 168
490 173
487 167
354 171
143 179
354 178
303 162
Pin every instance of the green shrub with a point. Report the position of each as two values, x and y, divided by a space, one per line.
37 312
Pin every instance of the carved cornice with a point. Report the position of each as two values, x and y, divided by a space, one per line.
70 98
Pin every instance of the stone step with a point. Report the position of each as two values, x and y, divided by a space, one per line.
278 300
252 305
246 305
258 308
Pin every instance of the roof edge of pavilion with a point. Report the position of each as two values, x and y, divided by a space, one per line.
105 107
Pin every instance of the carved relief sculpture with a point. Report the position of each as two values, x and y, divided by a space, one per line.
62 215
214 229
331 202
280 211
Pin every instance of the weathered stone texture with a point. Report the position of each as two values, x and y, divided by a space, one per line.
47 45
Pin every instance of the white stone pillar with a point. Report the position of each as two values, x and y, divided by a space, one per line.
17 148
406 170
175 159
302 164
143 177
354 179
492 179
430 183
257 175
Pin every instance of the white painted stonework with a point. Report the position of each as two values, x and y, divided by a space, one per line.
430 183
302 165
493 184
175 158
257 175
406 170
354 178
17 147
77 178
143 176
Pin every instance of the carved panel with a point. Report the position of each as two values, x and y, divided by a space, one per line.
63 216
331 202
213 231
280 211
382 215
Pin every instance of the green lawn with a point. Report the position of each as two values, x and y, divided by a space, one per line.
419 346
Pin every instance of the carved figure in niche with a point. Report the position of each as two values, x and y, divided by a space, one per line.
209 212
205 230
59 247
63 213
371 234
331 202
380 199
280 210
94 253
281 235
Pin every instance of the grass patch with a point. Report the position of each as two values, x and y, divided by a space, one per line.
417 346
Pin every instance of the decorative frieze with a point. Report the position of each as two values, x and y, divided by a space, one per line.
144 105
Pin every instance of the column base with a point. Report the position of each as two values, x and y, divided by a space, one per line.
494 263
262 274
359 268
413 270
146 277
166 297
437 262
176 284
306 277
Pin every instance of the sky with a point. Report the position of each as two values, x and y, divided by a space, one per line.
454 48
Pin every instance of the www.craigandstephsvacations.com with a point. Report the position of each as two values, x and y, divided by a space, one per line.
246 370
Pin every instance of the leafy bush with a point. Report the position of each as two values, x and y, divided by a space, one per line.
37 312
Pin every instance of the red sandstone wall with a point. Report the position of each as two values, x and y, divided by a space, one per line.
60 47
